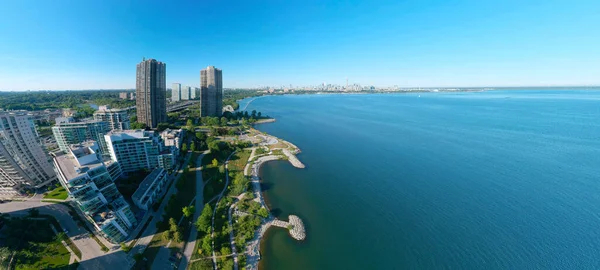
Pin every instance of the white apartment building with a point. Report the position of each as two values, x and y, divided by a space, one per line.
185 93
87 177
136 149
69 133
151 189
23 161
176 92
117 119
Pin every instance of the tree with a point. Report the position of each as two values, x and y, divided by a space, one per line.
263 212
162 126
184 147
4 255
259 114
215 162
188 211
203 222
172 225
207 243
167 235
223 121
253 113
125 247
200 136
34 212
190 123
193 146
138 125
177 236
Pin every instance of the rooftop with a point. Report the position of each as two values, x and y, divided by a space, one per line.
80 160
77 123
106 108
147 183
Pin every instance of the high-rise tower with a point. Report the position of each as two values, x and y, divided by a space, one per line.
176 92
211 92
23 162
150 88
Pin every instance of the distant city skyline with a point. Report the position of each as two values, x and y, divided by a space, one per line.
65 45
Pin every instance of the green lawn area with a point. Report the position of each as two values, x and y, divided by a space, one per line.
59 193
35 245
238 161
205 264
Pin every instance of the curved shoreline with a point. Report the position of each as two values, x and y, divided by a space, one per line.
296 231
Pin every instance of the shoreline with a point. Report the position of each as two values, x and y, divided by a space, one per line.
253 247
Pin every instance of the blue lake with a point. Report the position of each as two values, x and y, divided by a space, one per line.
494 180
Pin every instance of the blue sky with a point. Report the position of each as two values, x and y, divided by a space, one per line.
96 44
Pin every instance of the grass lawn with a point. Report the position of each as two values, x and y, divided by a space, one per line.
36 245
205 264
70 243
59 193
238 161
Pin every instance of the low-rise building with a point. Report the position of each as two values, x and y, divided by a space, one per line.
151 189
86 176
172 137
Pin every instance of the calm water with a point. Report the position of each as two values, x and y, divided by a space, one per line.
495 180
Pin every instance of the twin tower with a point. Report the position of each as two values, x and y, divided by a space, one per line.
151 87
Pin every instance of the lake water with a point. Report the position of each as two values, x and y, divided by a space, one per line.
482 180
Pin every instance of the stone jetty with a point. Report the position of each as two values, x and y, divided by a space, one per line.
295 226
293 159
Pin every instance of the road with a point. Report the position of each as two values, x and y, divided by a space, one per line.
92 256
188 250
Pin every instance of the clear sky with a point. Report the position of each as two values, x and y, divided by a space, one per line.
96 44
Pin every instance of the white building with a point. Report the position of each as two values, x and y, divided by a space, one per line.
172 137
176 92
87 177
151 189
69 133
186 93
136 149
117 119
23 162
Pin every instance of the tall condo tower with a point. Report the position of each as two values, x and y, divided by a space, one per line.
23 162
211 92
176 92
150 89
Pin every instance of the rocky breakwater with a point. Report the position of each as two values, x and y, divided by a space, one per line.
295 227
293 159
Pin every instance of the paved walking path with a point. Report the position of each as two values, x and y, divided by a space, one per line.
188 250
